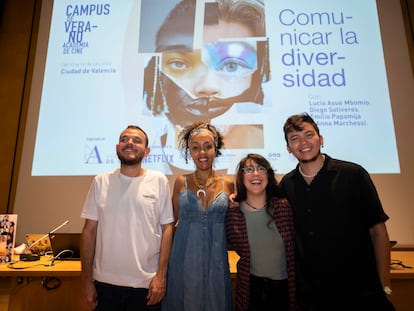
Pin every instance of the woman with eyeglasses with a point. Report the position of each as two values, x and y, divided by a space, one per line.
259 228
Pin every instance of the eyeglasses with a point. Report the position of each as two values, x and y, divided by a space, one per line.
251 169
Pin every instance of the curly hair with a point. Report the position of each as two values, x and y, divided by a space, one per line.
189 131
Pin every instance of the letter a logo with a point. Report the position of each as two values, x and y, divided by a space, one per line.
92 156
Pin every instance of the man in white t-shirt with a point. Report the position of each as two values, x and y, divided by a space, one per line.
127 235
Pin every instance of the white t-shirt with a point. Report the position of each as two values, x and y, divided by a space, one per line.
130 212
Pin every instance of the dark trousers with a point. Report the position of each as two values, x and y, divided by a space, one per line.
267 294
121 298
377 302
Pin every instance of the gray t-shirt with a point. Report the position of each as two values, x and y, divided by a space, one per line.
267 250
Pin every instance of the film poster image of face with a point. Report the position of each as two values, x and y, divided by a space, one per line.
209 63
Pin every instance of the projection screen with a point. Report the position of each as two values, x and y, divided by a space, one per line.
163 65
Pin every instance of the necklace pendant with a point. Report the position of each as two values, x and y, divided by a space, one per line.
199 191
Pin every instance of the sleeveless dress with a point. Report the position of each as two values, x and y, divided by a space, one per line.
198 271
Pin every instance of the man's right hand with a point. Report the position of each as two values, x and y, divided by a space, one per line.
89 296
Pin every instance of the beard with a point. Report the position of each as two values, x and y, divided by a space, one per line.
129 161
313 159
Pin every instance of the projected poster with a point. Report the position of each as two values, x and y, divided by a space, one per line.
165 64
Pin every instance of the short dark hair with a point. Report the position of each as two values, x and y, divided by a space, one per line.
295 123
136 127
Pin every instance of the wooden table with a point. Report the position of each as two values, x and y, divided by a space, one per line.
402 280
29 283
35 285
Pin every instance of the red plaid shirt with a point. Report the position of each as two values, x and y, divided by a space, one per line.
237 239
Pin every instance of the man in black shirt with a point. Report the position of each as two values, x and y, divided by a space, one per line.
343 253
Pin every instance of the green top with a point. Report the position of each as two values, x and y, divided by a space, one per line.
267 250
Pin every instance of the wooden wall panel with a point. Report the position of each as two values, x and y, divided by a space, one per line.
408 12
16 25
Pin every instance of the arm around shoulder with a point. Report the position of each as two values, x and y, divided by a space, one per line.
229 184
